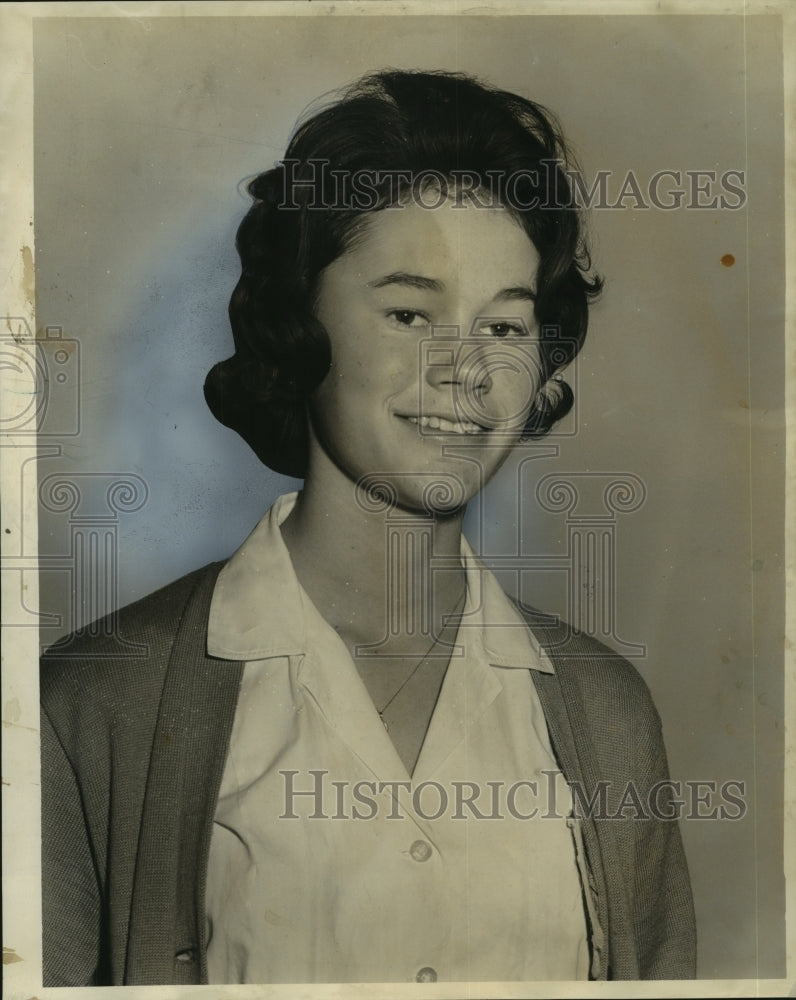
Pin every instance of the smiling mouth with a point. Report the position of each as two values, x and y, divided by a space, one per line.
447 426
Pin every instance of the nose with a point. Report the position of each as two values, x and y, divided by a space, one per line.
453 359
489 380
456 368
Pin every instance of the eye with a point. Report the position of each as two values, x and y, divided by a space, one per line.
504 328
408 319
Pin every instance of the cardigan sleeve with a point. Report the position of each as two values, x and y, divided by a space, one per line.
664 915
608 735
71 908
101 701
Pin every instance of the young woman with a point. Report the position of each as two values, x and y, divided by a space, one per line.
348 755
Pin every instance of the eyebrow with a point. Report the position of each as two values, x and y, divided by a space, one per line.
517 293
408 281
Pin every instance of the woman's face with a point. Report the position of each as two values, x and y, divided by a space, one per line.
435 356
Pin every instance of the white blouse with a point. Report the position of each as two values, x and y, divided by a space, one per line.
328 863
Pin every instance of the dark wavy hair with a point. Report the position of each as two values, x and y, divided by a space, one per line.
390 127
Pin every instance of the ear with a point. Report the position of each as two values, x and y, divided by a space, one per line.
552 391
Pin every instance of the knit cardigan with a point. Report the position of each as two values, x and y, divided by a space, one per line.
134 740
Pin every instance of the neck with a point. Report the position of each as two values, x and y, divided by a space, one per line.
387 576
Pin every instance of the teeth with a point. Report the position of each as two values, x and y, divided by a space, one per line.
449 426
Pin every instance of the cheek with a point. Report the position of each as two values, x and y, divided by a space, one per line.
347 394
369 367
515 389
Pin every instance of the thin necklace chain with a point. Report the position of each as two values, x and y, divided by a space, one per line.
422 660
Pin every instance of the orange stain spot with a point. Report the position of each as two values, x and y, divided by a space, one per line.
728 260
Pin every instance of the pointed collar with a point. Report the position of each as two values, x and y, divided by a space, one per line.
259 607
495 621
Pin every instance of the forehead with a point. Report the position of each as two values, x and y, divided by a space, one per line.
451 242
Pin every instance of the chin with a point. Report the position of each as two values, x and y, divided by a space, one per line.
434 493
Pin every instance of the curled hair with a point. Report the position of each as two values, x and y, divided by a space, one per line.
390 127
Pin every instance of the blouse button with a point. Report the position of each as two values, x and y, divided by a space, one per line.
426 975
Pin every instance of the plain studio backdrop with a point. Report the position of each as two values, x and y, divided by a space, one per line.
144 133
